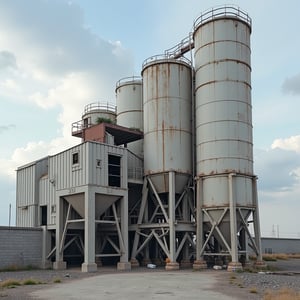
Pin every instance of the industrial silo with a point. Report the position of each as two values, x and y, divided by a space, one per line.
130 108
164 226
167 121
224 146
98 112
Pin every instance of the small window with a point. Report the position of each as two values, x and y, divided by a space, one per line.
98 163
75 158
53 209
86 122
114 170
44 215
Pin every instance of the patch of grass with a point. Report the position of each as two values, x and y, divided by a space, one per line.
282 294
253 290
56 280
269 257
232 277
104 120
30 282
10 283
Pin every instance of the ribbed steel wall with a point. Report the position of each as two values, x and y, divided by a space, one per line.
223 108
27 198
91 169
167 101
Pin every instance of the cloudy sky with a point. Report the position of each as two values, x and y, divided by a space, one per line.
57 56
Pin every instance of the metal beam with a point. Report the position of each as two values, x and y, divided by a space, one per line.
158 200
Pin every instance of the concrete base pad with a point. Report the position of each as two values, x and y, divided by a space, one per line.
89 267
234 266
199 265
260 264
172 266
134 263
124 266
59 265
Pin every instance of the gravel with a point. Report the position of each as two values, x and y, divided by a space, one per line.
265 282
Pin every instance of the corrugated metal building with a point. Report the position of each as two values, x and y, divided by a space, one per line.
75 193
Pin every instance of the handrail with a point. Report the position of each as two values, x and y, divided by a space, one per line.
158 57
222 11
182 47
136 79
100 106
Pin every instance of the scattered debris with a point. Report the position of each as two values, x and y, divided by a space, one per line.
151 266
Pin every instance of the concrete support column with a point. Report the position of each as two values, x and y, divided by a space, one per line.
89 264
259 262
199 263
172 265
59 264
124 264
46 248
234 265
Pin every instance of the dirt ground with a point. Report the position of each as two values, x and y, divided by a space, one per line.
236 285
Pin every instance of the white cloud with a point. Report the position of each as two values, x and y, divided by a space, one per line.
291 143
278 170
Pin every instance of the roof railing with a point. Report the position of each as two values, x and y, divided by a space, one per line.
105 106
129 79
221 12
166 57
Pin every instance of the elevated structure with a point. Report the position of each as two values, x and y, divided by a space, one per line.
167 176
164 225
226 185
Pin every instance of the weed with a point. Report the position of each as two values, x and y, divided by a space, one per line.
9 283
253 290
283 294
30 282
269 257
57 280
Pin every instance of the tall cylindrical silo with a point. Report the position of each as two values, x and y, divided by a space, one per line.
130 108
167 121
224 147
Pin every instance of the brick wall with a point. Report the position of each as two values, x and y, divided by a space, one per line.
20 247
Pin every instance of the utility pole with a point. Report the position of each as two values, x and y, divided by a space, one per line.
9 214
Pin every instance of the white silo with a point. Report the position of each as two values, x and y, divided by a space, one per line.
224 146
98 111
164 223
130 108
167 121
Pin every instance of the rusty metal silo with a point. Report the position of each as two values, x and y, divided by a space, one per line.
224 145
167 121
166 205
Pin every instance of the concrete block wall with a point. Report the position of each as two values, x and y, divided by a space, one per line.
20 247
280 245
